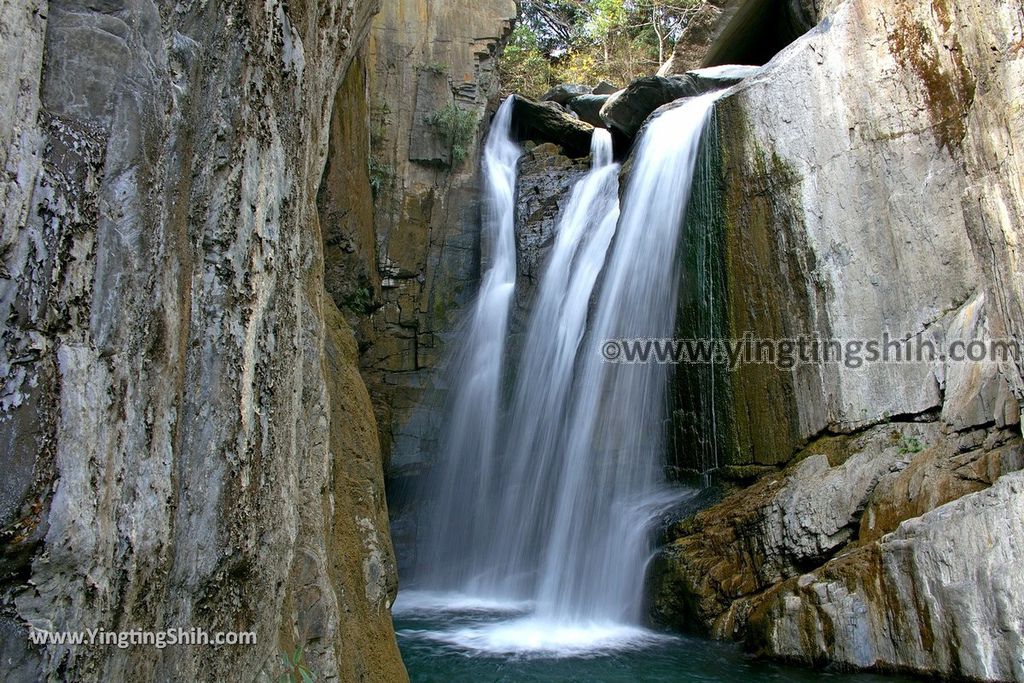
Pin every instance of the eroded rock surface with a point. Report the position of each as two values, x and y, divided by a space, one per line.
853 216
869 191
410 272
942 594
190 445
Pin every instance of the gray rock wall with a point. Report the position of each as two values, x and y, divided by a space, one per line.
423 58
852 216
870 186
942 595
173 450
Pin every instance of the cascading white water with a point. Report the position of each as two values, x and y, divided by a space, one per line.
455 534
542 392
550 501
611 468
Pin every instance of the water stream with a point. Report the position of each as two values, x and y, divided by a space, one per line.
545 498
537 528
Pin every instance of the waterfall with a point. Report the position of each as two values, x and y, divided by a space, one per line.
543 388
545 498
457 525
612 464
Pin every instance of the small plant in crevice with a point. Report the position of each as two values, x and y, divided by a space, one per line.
295 668
438 68
381 175
456 127
360 301
907 444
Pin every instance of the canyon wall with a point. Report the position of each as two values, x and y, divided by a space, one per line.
427 80
869 186
186 439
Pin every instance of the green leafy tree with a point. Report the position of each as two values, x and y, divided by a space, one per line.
523 67
584 41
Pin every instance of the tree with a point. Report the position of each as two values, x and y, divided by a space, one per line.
588 40
523 67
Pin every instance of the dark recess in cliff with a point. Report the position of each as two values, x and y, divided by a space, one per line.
760 29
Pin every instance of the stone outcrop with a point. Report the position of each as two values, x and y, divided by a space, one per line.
942 595
626 110
843 492
186 440
588 108
863 186
817 171
776 528
545 179
563 93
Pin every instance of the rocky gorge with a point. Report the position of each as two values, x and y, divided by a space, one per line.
238 241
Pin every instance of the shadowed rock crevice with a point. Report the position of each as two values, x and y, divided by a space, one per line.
754 31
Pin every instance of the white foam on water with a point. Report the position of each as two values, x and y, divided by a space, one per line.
537 637
440 602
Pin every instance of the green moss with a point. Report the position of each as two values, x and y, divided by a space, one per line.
381 175
702 435
764 263
438 68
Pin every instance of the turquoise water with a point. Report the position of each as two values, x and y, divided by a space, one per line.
488 643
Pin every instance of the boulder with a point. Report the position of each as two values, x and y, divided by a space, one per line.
564 92
775 529
548 122
627 109
588 108
604 88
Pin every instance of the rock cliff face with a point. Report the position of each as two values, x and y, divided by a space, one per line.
426 82
870 187
186 440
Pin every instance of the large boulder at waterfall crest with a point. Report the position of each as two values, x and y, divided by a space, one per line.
565 92
588 108
626 110
548 122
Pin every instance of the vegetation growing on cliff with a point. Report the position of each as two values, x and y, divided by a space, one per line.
457 128
585 41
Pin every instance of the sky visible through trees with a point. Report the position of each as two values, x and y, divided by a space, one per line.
585 41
